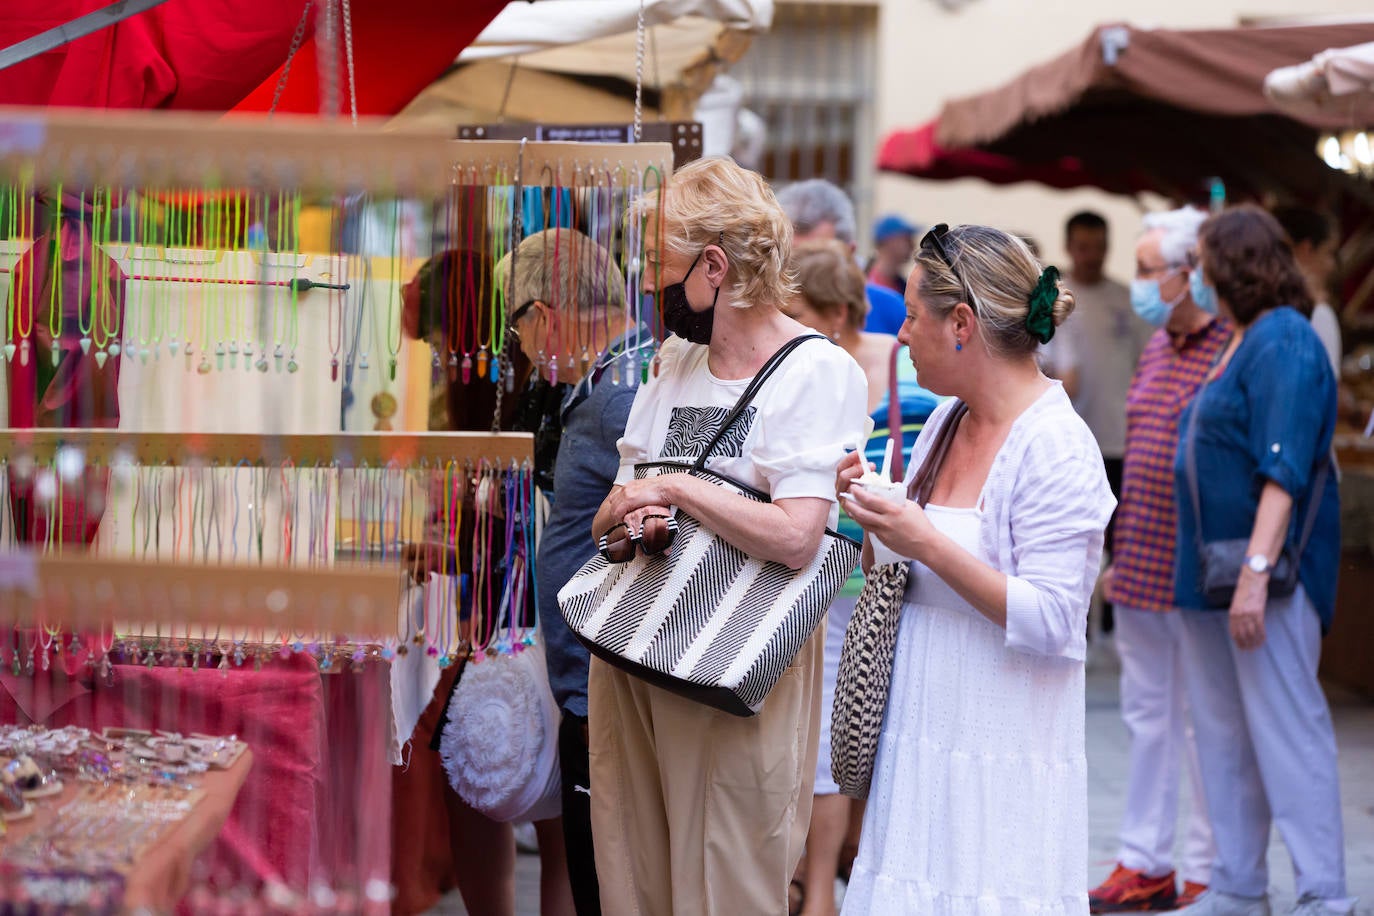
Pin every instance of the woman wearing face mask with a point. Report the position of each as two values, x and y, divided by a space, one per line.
1140 582
697 812
1254 469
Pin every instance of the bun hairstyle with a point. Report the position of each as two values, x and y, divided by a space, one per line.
714 201
1000 279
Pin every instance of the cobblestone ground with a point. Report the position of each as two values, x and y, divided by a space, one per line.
1107 747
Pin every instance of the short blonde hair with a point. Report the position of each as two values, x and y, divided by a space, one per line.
714 201
830 280
563 268
999 273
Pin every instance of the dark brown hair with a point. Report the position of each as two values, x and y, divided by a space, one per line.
1248 259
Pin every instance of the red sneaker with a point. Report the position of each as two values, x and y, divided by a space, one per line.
1191 891
1127 891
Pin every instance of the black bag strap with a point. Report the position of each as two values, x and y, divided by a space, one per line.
1190 472
923 481
750 392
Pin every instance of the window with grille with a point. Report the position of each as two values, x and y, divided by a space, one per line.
812 80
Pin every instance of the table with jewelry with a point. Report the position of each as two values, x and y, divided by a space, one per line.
111 822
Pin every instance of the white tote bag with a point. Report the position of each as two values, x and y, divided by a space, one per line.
704 619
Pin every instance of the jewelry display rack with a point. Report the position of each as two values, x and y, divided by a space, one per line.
227 571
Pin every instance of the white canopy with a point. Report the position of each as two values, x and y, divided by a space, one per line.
1334 80
598 36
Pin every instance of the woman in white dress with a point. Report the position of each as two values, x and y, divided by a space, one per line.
978 804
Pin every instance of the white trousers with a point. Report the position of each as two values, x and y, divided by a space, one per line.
1267 749
1155 709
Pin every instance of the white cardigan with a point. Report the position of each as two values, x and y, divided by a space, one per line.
1046 504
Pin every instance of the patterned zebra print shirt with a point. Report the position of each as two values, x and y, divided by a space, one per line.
787 444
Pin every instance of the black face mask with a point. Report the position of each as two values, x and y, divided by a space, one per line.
678 315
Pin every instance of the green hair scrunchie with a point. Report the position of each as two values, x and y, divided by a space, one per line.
1040 317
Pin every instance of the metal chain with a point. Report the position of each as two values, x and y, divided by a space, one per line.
296 41
329 60
348 48
639 73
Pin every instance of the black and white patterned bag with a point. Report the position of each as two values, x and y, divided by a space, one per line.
870 646
704 619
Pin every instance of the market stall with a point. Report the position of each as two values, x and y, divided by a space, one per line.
199 539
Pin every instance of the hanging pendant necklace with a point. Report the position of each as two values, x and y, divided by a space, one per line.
11 305
87 291
293 330
393 321
55 282
25 332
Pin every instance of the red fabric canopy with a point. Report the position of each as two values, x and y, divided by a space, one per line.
917 152
218 55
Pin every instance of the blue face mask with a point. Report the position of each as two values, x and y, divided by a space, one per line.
1204 295
1149 304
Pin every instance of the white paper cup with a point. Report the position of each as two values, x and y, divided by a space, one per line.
894 493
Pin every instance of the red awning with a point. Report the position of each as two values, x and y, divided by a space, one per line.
918 153
218 55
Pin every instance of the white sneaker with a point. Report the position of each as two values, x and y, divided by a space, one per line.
1217 903
1311 905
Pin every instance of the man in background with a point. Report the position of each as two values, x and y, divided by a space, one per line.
1314 248
818 209
1096 351
894 242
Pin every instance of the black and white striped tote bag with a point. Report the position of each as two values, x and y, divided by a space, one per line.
704 619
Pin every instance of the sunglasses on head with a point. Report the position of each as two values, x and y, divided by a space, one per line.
935 241
656 534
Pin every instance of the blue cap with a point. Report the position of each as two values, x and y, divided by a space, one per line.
891 225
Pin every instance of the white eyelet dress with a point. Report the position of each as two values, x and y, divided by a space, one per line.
979 797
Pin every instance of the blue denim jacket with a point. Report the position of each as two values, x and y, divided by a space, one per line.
1269 416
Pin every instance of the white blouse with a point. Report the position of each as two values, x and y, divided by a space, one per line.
801 423
1046 504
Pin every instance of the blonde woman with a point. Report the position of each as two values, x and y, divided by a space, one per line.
979 795
697 812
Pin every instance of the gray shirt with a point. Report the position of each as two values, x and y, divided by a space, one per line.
1102 339
594 416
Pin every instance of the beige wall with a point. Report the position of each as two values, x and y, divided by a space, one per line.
928 54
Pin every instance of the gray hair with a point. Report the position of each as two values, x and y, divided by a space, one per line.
815 201
562 267
1178 232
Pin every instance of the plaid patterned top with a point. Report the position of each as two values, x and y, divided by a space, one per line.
1168 375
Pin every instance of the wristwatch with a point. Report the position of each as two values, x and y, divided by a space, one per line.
1258 564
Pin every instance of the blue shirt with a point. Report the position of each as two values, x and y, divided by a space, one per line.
594 416
886 310
1268 417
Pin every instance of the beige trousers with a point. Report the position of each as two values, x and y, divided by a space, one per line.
696 812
